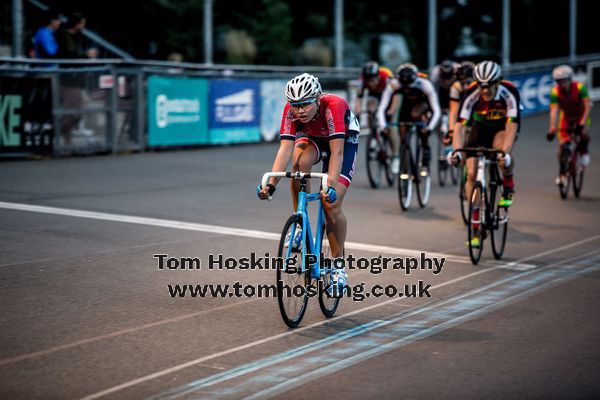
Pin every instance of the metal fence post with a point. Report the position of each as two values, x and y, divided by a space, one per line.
140 110
113 126
56 116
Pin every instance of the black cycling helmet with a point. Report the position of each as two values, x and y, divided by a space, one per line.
406 73
447 69
465 70
370 69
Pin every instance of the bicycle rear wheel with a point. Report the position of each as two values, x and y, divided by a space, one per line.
565 161
423 180
476 224
374 166
385 158
293 280
328 304
500 224
405 180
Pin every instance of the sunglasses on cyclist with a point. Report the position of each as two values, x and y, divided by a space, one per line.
486 85
303 104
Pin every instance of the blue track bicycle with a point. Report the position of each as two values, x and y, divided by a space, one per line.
304 271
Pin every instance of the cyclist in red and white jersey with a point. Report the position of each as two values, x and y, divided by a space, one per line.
492 109
312 123
373 80
419 104
570 102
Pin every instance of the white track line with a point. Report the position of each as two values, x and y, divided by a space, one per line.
223 230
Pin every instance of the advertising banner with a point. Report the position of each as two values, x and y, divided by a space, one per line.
26 115
272 102
534 88
177 111
234 111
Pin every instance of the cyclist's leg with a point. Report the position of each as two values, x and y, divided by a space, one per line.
306 154
334 214
477 138
507 172
564 140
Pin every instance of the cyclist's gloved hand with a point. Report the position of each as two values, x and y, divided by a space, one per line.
453 158
505 159
264 194
550 135
331 194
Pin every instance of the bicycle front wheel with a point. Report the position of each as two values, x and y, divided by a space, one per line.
464 201
327 303
443 169
423 180
499 227
386 159
577 176
476 224
405 179
292 280
374 166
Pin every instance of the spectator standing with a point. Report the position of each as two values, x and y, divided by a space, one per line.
69 37
44 41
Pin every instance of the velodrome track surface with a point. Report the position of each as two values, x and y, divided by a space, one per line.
87 314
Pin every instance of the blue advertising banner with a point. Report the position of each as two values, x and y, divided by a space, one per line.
272 102
235 111
534 88
177 111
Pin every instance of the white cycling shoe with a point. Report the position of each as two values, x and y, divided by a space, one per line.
297 242
339 279
585 160
395 164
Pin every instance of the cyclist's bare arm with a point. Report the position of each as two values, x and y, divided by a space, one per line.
358 105
509 138
587 104
453 114
457 138
553 116
282 159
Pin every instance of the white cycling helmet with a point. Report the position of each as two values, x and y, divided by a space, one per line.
562 72
302 87
487 72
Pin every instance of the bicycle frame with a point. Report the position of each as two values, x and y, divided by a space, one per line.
482 162
309 246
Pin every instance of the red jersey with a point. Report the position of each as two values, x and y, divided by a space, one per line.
384 75
333 120
572 104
